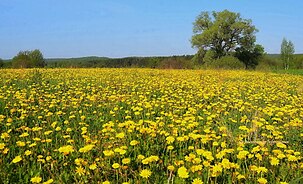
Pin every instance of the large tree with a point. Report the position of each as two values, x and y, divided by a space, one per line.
21 60
36 58
28 59
223 32
287 52
250 57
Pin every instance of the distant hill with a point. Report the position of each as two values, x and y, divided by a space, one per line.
75 59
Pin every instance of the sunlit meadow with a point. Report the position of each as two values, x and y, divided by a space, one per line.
150 126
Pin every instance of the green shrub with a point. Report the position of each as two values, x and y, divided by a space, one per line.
209 57
298 63
226 62
268 63
264 67
176 63
1 63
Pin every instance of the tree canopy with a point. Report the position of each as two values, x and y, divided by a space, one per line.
250 57
223 33
287 52
28 59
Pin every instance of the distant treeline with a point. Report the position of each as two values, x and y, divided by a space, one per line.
267 62
177 62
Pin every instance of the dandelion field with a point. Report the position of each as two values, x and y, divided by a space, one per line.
150 126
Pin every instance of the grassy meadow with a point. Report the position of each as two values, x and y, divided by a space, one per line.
291 71
150 126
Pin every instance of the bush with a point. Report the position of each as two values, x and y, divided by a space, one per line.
267 63
1 63
298 63
209 57
226 62
176 63
264 67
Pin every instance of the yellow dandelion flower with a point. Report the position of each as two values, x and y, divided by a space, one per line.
171 168
78 161
48 132
244 128
82 118
9 120
120 135
145 173
134 142
197 181
108 153
86 148
170 147
259 156
280 145
48 181
196 168
116 165
17 159
215 143
5 151
225 163
262 169
170 139
25 134
32 145
20 143
2 145
262 180
274 161
122 151
5 135
240 176
27 152
217 169
93 166
140 157
242 154
66 149
292 158
80 170
206 163
126 160
36 179
182 172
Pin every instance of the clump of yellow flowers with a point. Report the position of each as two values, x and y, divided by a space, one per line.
150 126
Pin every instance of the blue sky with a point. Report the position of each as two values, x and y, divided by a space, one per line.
119 28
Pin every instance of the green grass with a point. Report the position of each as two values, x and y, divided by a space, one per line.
291 71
